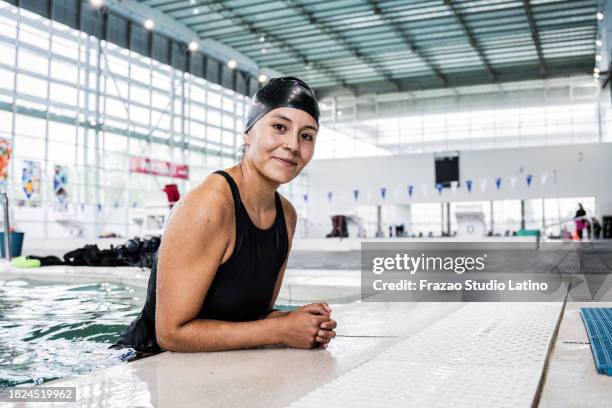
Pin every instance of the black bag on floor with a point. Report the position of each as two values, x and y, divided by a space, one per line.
47 260
135 252
91 255
76 257
139 252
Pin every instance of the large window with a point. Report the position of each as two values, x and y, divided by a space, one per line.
529 113
80 107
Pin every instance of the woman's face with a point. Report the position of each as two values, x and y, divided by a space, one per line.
282 143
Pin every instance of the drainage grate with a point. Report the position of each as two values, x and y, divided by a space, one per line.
598 323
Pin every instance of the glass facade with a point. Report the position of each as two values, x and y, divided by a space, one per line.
76 108
556 111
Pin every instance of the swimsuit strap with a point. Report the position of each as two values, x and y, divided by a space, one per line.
235 192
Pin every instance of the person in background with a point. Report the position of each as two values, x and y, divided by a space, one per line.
579 220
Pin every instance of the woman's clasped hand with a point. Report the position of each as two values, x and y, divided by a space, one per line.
309 326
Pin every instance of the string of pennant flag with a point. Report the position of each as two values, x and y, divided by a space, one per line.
500 183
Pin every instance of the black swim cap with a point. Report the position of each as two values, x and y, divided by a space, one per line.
288 92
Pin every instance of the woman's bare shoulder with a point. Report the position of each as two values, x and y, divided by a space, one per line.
209 202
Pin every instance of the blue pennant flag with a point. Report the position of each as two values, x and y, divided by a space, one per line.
468 184
410 189
99 207
356 194
498 182
383 191
329 195
305 197
529 178
82 206
439 187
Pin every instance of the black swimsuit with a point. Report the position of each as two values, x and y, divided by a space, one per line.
243 286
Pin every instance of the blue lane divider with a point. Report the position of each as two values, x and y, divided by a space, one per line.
598 323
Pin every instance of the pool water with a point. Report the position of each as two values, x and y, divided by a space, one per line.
53 330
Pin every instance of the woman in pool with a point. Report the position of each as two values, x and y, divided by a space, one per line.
225 246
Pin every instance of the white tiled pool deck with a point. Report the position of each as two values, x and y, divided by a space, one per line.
385 354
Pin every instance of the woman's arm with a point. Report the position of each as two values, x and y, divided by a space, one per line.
195 240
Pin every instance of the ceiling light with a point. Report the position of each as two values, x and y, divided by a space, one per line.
598 43
193 46
264 51
339 113
595 75
596 70
600 16
263 78
598 57
196 11
96 3
193 1
231 63
262 38
149 24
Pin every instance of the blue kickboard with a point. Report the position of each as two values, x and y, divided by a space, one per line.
598 323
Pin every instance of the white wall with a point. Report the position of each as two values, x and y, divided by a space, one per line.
581 170
31 220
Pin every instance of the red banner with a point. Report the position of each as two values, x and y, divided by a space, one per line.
145 165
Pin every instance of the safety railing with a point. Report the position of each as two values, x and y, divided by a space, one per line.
7 227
